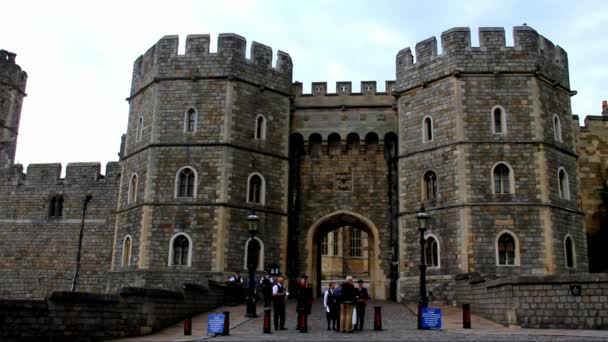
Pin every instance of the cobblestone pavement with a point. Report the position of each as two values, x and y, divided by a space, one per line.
399 324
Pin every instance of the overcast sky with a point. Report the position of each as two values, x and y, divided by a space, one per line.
79 55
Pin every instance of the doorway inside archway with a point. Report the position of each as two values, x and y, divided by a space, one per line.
342 244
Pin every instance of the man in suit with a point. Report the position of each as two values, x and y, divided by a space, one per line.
362 298
278 299
332 308
266 283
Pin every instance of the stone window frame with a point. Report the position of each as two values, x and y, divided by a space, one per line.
133 187
557 129
423 186
170 259
511 179
573 266
139 130
516 260
503 120
177 182
564 189
187 113
260 266
425 131
126 257
262 189
426 237
262 131
56 206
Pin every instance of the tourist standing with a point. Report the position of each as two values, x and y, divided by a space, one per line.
278 298
236 286
362 298
347 300
332 308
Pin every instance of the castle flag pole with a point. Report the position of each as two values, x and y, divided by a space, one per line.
86 200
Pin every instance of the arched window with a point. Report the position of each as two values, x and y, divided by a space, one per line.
352 143
499 120
132 194
430 186
186 182
431 251
126 251
260 127
427 129
56 206
557 129
314 144
507 250
180 250
139 130
502 179
355 242
255 249
569 252
256 189
190 120
334 144
563 184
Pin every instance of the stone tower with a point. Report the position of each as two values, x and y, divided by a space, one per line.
203 129
12 91
487 146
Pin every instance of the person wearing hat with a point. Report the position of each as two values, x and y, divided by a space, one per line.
266 284
304 305
362 298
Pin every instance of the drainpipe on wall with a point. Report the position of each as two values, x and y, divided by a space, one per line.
85 202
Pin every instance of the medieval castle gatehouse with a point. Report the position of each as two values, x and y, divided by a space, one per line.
483 137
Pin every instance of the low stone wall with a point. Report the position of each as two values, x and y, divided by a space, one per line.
78 316
440 289
565 301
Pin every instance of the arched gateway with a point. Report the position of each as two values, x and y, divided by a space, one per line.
336 220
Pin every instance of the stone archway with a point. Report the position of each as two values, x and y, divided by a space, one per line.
330 222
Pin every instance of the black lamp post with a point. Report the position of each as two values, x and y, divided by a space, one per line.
253 220
423 219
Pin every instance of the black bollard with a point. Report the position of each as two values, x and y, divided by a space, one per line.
377 318
267 329
226 331
188 326
466 316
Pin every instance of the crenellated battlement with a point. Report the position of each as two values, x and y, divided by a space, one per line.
163 61
10 72
531 53
343 89
81 174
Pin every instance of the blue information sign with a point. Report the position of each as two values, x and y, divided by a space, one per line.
431 318
215 324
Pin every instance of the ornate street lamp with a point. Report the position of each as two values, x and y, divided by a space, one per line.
423 219
253 220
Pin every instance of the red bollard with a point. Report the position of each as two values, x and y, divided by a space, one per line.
304 322
188 326
377 318
226 331
466 316
267 329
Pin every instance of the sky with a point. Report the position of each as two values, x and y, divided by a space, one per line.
79 54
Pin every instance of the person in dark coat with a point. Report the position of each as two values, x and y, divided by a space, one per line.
266 283
362 298
304 305
332 308
279 293
348 296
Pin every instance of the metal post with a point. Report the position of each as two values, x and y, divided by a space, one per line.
226 331
424 302
266 326
188 326
251 300
377 318
85 202
466 316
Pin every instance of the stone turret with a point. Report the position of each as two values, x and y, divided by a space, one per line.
12 91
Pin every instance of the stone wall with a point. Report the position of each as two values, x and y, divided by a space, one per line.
538 301
78 316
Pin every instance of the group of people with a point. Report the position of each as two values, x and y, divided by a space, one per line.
345 306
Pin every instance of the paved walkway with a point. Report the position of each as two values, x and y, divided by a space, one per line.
399 324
